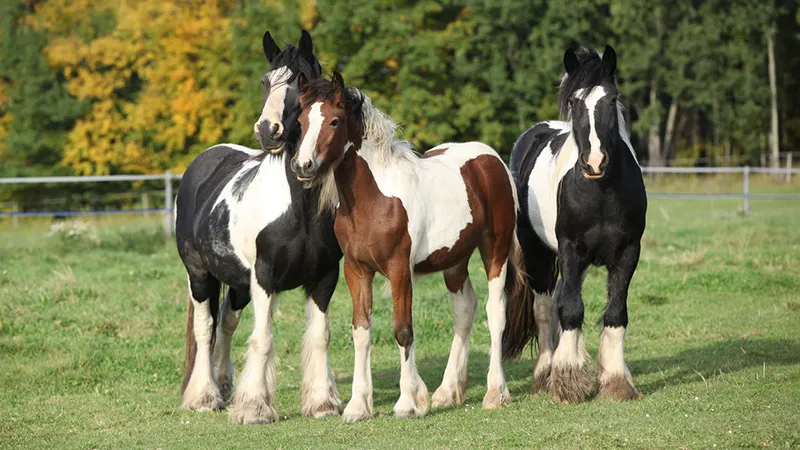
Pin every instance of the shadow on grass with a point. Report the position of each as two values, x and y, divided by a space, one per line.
694 364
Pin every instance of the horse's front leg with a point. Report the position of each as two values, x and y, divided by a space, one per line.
613 376
571 380
255 393
359 281
413 401
319 397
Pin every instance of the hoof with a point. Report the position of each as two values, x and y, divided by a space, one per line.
323 404
356 411
541 379
496 398
619 388
207 400
449 395
252 412
406 408
571 384
226 391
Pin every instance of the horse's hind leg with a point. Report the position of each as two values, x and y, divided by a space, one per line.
319 397
200 392
540 263
454 383
228 321
571 380
414 400
613 375
255 393
495 254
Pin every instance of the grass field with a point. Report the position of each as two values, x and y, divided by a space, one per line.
91 335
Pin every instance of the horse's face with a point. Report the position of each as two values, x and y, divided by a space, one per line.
281 104
326 130
594 120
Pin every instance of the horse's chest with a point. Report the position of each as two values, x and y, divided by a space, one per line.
252 209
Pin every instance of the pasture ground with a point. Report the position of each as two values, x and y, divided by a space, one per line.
91 347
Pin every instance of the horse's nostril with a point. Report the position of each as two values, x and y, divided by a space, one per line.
275 129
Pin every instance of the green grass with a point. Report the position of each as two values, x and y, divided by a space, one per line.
91 340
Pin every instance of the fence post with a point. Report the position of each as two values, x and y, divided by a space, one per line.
146 205
15 218
789 168
746 191
168 223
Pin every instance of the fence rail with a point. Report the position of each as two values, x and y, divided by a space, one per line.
168 178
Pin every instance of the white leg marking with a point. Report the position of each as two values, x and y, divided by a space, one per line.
201 392
319 397
223 364
454 383
496 390
570 349
413 401
611 357
256 390
360 405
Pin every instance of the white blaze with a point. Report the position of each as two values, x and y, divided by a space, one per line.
273 107
309 143
595 155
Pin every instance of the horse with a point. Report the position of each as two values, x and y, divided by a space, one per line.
583 203
399 214
244 220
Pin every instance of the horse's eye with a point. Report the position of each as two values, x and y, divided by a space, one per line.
334 122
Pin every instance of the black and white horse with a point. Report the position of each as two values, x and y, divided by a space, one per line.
584 203
244 220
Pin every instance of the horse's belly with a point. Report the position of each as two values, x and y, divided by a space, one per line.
439 213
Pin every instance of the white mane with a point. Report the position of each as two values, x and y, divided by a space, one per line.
380 144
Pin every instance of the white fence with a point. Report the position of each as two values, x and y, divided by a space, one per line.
168 177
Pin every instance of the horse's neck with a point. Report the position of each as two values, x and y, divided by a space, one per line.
355 183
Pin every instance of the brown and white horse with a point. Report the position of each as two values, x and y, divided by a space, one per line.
399 214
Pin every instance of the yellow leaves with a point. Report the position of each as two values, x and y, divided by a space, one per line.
153 84
309 13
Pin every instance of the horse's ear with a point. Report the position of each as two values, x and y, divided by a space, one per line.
610 60
271 49
570 61
302 82
306 46
338 85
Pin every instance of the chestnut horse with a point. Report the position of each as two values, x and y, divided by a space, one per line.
399 214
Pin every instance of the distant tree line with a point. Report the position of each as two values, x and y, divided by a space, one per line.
115 86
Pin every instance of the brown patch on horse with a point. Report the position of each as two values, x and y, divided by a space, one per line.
437 152
493 212
191 345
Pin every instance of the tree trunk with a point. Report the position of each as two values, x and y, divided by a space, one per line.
654 137
669 134
774 154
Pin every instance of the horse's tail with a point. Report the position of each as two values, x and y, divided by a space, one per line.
191 345
520 320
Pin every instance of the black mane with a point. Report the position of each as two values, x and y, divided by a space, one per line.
588 74
290 57
322 90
